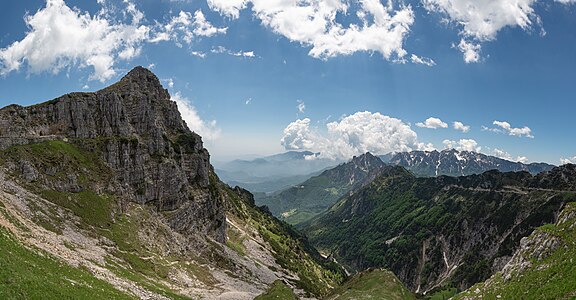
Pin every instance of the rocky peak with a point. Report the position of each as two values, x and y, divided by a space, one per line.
139 80
140 134
452 162
367 159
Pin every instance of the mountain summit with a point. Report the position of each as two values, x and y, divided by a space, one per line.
155 158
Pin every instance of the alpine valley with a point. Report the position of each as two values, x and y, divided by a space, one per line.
109 195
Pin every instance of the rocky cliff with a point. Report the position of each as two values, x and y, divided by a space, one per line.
137 130
543 267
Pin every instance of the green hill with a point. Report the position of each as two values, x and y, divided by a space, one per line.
437 233
544 267
304 201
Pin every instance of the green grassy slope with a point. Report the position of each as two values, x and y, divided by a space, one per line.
290 249
415 227
376 284
278 290
303 201
135 233
550 271
28 273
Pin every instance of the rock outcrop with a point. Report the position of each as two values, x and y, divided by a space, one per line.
154 158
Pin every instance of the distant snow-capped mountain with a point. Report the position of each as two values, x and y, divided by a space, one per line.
457 163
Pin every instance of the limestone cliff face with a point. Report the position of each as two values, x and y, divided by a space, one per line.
138 131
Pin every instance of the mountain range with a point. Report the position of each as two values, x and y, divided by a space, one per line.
440 232
275 172
311 197
306 199
452 162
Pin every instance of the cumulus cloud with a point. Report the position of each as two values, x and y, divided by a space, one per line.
298 136
461 127
470 50
462 145
60 36
507 156
481 20
230 8
432 123
185 27
207 129
198 54
422 60
381 28
301 106
353 135
505 127
224 50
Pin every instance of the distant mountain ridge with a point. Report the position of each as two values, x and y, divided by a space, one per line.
303 201
275 172
457 163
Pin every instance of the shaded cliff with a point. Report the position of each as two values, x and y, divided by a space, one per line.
138 131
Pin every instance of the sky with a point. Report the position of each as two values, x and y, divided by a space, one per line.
341 77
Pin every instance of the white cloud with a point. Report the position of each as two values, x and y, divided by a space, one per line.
224 50
298 136
470 51
570 160
566 1
505 127
481 20
59 37
422 60
169 82
230 8
301 106
353 135
382 28
207 129
461 127
432 123
185 27
507 156
205 28
198 54
462 145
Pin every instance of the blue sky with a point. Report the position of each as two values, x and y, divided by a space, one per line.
340 77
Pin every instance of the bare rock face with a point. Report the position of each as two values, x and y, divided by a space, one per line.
139 132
